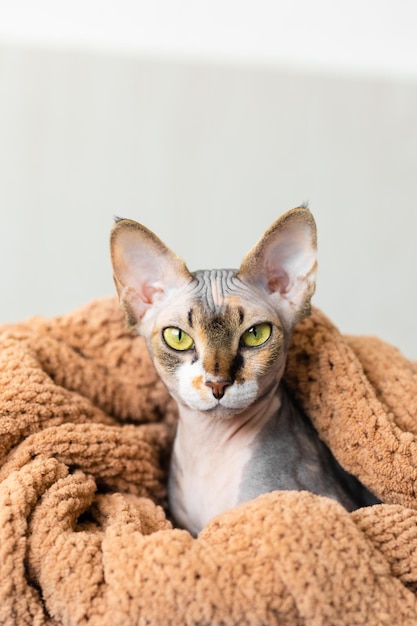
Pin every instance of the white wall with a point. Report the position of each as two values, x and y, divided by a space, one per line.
207 140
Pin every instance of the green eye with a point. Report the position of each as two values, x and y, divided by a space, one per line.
177 338
256 335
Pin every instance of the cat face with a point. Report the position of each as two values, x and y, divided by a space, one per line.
217 343
218 338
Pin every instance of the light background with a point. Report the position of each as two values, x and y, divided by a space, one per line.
206 121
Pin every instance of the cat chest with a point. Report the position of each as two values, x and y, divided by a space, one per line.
203 484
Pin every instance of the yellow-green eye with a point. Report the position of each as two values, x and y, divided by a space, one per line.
256 335
177 338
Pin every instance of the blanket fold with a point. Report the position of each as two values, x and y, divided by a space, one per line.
86 429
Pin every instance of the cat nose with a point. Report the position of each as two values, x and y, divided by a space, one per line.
218 387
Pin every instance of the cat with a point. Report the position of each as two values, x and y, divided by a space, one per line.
219 340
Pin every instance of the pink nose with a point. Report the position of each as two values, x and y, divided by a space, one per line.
218 387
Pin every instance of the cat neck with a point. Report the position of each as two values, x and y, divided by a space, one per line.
209 458
199 431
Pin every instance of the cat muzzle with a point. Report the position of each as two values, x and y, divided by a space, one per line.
218 387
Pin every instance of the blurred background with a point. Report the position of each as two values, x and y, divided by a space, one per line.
206 120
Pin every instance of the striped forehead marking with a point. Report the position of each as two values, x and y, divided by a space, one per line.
214 286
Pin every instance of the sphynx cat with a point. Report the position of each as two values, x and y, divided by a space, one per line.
219 340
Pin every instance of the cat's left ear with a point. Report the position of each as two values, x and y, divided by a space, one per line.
145 270
284 263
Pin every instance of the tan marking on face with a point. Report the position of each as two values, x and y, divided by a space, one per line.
216 363
221 339
197 382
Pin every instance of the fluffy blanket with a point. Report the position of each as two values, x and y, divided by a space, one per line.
86 430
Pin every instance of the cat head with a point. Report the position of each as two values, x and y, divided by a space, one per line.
218 338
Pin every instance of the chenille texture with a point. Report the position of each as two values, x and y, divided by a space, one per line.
85 538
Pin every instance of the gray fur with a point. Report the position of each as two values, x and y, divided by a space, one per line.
288 455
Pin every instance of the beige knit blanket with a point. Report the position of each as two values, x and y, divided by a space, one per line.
85 435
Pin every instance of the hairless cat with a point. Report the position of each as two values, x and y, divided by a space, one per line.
219 339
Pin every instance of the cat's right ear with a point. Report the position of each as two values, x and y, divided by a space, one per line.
145 271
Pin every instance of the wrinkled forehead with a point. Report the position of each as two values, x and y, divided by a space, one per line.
219 290
222 304
216 299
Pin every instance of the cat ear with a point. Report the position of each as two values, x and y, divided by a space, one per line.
145 270
284 262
